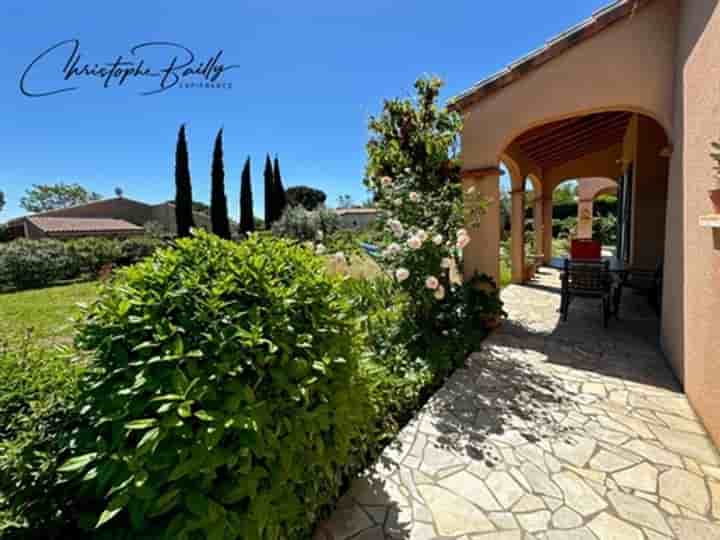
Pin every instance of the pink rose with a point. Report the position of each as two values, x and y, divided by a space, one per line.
432 283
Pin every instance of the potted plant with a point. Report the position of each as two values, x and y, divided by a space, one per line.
715 193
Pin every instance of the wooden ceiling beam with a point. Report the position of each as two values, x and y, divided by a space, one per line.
587 126
577 154
613 130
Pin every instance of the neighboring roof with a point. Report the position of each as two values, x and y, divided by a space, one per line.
599 21
83 205
343 211
62 225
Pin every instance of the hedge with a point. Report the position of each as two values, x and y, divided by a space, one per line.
37 263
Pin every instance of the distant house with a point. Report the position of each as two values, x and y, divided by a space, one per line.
117 218
356 218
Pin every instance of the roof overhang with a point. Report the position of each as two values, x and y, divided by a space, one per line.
599 21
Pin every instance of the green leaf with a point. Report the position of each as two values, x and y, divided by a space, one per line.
77 463
184 410
149 437
106 516
145 423
204 416
197 503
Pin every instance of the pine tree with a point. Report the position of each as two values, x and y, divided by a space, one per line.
269 193
280 197
218 201
247 219
183 187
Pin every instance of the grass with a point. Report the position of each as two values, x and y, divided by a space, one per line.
48 313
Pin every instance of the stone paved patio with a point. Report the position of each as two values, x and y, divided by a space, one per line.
553 431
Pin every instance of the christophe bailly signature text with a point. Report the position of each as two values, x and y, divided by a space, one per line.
179 68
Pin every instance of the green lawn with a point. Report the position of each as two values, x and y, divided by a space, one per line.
48 312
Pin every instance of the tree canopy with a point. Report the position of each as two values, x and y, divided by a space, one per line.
2 201
44 197
218 201
305 196
183 186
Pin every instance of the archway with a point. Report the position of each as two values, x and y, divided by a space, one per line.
628 148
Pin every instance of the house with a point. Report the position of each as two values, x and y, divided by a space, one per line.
631 95
356 218
116 217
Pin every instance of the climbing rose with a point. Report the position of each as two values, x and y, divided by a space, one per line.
437 239
319 249
386 181
396 227
414 242
462 232
339 258
402 274
439 293
432 283
421 235
397 202
445 263
463 241
414 197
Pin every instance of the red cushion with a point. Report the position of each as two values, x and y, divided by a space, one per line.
585 249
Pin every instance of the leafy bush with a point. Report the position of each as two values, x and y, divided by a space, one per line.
35 263
92 253
301 224
605 229
135 249
38 263
37 395
225 400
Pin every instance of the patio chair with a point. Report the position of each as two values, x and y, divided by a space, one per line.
646 282
586 279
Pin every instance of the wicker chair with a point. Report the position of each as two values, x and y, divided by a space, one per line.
586 279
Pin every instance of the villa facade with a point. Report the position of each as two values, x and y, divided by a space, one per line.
631 96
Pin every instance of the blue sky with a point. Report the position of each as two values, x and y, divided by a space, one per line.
310 74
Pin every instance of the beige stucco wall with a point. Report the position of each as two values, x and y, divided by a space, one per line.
650 191
628 66
691 303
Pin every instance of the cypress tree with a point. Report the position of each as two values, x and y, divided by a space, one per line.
218 201
280 198
183 187
269 193
247 219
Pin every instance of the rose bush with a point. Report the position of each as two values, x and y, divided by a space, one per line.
414 171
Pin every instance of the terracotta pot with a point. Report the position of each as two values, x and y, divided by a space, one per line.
715 198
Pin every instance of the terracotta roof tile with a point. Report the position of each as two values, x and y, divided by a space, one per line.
56 225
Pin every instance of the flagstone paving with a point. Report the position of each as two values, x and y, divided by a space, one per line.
553 431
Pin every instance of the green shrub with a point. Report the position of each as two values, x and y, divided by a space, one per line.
37 395
136 249
301 224
94 253
225 399
35 263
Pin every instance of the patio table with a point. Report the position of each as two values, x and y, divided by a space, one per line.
619 269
